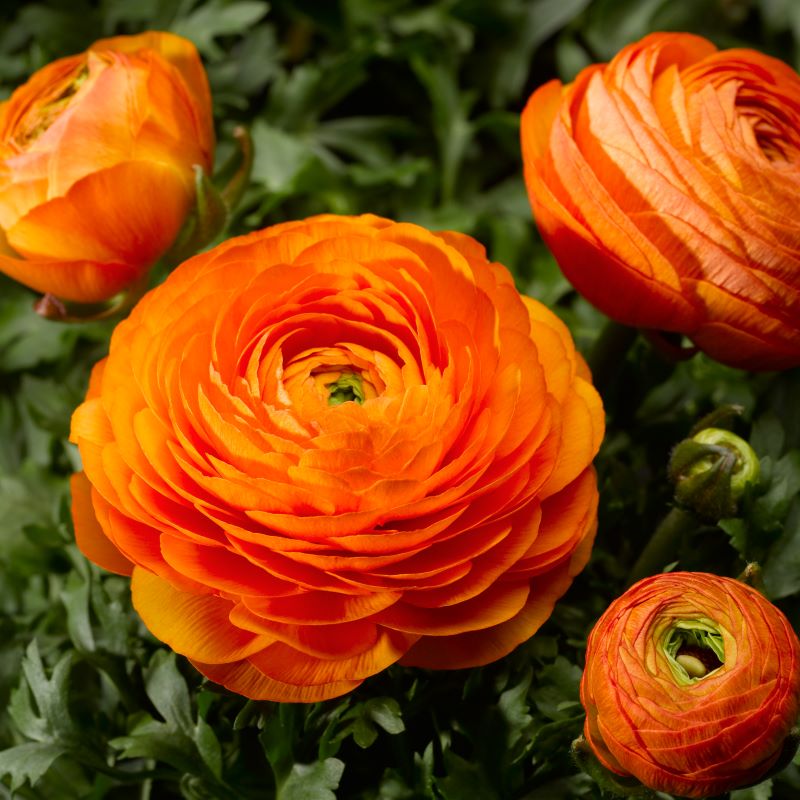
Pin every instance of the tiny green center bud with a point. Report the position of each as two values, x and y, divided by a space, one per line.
693 649
711 472
348 387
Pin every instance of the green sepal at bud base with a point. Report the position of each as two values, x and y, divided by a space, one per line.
204 224
611 784
711 472
213 206
52 308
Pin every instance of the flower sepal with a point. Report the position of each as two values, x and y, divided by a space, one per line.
214 205
611 784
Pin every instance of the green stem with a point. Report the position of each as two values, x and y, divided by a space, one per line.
662 547
608 353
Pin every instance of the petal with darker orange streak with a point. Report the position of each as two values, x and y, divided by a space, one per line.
246 679
196 626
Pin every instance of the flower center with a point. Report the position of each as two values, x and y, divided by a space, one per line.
694 649
347 387
45 110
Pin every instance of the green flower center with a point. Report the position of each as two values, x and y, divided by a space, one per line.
694 649
348 387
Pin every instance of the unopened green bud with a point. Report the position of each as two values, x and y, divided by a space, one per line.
711 472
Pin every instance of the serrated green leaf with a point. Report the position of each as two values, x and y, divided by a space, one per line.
312 781
385 712
50 695
28 762
513 706
279 157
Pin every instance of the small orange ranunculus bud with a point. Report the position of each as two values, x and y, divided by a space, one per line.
666 184
692 684
336 444
97 164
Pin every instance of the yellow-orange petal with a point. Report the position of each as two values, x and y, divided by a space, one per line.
196 626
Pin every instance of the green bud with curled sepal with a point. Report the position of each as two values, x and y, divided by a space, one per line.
711 471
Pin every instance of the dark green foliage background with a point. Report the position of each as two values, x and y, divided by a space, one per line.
409 110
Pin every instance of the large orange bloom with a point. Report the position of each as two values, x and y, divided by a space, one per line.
692 683
335 444
97 157
666 184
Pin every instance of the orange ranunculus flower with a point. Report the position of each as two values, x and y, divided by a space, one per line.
666 185
692 683
97 157
336 444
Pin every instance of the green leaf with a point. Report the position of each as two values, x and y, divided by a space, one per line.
162 743
615 23
312 781
781 570
53 721
279 157
76 601
166 687
450 118
217 18
762 791
386 713
464 779
767 436
25 338
513 706
28 762
208 746
542 18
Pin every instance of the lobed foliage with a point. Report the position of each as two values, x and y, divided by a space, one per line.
408 110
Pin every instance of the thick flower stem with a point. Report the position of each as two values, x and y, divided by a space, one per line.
608 353
662 546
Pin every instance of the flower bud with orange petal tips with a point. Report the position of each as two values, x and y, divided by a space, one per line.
665 183
337 444
691 685
98 161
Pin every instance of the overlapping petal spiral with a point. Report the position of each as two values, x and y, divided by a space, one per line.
666 184
98 153
336 444
691 733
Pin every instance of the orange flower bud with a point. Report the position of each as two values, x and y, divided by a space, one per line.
666 183
336 444
692 684
97 158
